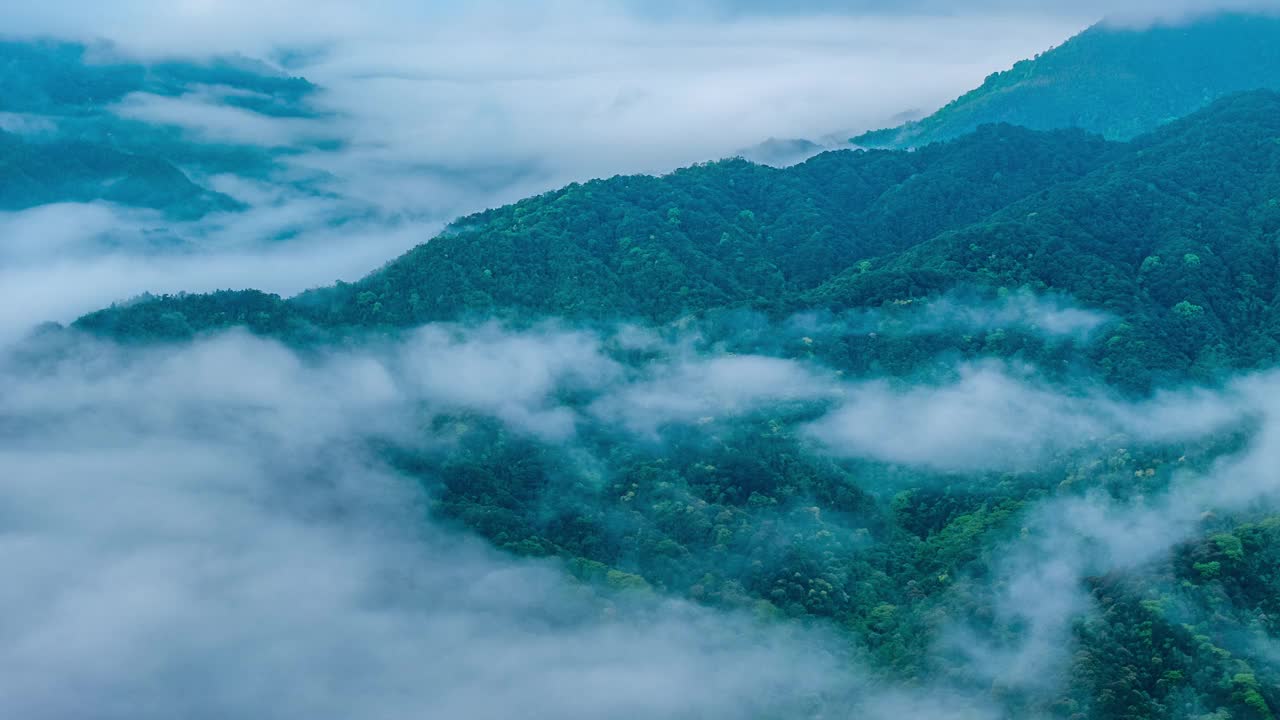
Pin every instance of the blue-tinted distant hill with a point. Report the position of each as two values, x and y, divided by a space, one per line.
778 152
1175 232
61 139
38 173
1114 81
51 77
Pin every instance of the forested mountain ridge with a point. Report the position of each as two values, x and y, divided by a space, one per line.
1163 247
1173 232
1116 81
716 230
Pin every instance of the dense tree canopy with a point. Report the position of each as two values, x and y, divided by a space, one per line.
1174 233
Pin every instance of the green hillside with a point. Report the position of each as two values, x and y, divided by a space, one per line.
1175 232
1170 240
1116 82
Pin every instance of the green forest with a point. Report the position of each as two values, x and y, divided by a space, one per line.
1169 239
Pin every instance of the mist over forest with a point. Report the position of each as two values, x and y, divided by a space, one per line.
620 360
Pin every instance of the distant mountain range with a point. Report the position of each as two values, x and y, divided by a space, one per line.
61 79
779 152
1175 232
64 141
68 140
1113 81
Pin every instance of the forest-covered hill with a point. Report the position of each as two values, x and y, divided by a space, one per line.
1174 233
1115 81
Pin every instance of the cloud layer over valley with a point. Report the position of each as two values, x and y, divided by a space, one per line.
205 526
202 527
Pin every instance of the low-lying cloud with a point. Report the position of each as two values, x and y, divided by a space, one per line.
1049 316
205 115
1040 583
994 417
58 262
200 529
197 531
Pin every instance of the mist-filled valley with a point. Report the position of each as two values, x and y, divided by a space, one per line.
569 361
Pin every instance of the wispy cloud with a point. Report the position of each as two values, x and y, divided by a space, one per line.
64 260
207 118
997 417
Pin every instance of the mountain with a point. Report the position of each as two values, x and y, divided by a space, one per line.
65 138
1114 81
56 78
778 152
1164 250
1174 232
38 173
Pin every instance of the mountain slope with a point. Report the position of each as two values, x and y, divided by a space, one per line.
1116 82
717 235
1174 232
1174 235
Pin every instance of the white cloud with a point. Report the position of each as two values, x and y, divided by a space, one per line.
511 376
1039 581
993 417
699 390
201 537
62 261
204 516
1049 316
208 118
